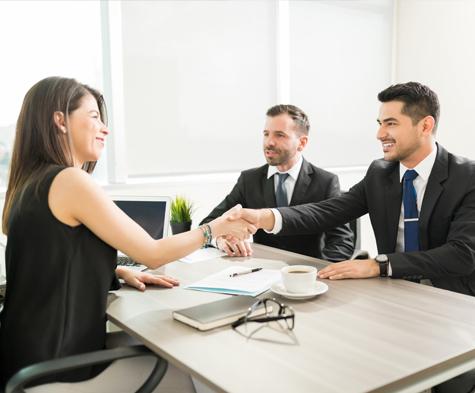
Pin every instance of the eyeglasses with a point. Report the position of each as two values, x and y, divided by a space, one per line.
274 311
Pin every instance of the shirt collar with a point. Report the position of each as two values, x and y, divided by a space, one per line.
293 172
424 168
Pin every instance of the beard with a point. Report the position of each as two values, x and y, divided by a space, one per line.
401 153
281 157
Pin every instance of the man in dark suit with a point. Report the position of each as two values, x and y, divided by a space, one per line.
285 137
421 202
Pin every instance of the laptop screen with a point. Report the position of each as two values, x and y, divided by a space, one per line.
152 214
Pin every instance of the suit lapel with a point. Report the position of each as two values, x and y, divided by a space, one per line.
434 188
303 181
269 192
393 197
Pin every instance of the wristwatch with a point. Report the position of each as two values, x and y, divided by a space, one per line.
383 262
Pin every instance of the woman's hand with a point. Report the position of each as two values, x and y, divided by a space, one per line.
139 279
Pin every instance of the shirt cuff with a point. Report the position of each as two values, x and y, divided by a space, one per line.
277 222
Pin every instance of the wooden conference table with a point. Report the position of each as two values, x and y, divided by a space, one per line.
372 335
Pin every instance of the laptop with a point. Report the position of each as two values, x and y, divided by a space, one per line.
151 213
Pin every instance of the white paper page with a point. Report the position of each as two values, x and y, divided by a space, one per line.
252 283
203 254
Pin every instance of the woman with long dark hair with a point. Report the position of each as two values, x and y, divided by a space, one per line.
63 232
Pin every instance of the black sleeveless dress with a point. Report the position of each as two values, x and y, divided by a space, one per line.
58 278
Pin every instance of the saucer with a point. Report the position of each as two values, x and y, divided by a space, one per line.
318 288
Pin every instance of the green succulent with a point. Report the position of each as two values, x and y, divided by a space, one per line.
181 210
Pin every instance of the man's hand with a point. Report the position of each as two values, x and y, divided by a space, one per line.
260 218
139 279
234 247
362 268
234 212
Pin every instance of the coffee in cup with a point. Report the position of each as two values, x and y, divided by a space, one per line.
299 278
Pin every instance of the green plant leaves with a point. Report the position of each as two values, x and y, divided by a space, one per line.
181 210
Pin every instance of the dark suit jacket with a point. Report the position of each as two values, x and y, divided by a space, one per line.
446 222
254 190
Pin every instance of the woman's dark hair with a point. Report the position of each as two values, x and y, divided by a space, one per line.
39 142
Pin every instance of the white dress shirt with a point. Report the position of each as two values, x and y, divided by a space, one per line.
289 186
289 183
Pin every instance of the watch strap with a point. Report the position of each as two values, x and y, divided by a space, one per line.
383 262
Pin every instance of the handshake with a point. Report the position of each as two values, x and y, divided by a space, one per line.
233 229
236 225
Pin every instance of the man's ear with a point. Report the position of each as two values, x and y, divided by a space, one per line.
303 140
60 122
428 124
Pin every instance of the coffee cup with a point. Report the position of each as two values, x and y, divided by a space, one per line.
299 278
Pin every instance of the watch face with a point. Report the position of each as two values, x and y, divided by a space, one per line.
381 258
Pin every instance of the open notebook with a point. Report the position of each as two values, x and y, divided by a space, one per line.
151 213
251 284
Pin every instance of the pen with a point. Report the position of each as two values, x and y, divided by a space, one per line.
245 272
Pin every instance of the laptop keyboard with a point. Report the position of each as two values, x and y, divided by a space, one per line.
123 260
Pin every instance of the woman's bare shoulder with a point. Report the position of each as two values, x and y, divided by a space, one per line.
72 192
74 179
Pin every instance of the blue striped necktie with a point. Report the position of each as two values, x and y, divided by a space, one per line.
411 215
281 192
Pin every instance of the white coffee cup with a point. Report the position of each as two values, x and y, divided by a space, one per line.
299 278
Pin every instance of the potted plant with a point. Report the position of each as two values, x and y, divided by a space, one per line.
181 211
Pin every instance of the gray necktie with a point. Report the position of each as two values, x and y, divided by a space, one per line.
281 193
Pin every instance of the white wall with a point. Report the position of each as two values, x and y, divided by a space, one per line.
200 75
197 75
340 58
436 46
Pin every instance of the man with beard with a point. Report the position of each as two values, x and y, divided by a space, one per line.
287 180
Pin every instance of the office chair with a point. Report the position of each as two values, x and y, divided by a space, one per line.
2 295
29 374
355 226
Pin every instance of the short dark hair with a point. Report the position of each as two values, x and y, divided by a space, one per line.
297 115
419 101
